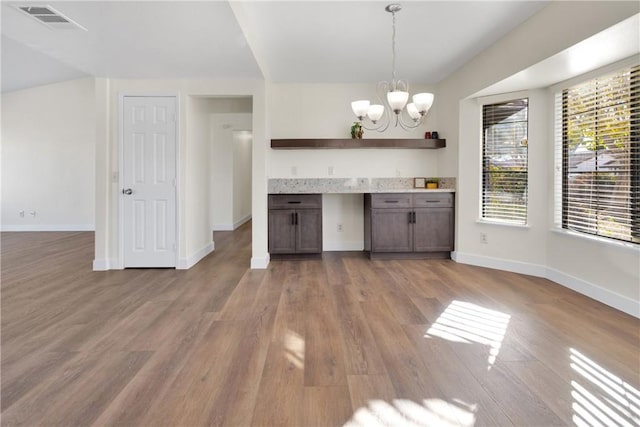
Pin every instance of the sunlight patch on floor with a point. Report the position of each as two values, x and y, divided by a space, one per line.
601 398
294 349
470 323
407 413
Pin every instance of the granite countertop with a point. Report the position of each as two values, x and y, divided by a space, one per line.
353 185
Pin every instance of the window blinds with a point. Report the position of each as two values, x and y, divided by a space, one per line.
504 161
601 156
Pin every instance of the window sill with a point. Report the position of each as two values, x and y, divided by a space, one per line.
502 223
598 239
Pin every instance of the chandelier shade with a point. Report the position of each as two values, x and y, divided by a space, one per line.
394 95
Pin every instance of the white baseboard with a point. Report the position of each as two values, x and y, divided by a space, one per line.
229 226
338 246
190 261
101 265
500 264
45 227
598 293
260 263
242 221
223 227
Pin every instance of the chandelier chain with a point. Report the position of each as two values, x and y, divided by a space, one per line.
393 52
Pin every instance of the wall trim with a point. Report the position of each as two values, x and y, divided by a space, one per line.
242 221
188 262
105 264
500 264
596 292
48 227
338 246
260 263
226 226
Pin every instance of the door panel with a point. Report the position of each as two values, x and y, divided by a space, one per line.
433 230
309 231
282 231
149 170
391 230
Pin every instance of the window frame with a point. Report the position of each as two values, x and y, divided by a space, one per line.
562 208
501 100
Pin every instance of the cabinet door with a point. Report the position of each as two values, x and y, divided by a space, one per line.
282 231
433 230
391 230
308 231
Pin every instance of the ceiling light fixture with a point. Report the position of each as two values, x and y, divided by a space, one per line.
396 95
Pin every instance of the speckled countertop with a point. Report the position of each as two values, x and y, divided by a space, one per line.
353 185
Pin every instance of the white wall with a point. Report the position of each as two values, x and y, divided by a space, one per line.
324 111
608 272
242 147
197 231
48 152
230 192
193 158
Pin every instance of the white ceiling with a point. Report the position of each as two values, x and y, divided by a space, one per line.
293 41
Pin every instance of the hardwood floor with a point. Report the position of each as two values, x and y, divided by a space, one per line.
341 340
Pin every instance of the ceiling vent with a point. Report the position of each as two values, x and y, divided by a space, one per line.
50 17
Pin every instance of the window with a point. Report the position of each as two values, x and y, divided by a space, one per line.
504 161
601 156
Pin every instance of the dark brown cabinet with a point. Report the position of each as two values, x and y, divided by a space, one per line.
295 223
412 224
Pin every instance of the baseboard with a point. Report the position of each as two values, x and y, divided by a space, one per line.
187 263
260 263
222 227
101 265
231 227
598 293
500 264
329 246
45 227
242 221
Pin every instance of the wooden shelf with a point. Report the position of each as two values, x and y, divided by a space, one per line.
348 143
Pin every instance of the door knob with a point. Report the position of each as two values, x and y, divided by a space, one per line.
127 191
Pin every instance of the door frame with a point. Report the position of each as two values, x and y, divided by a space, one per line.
121 97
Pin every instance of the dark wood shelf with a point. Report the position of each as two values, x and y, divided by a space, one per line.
348 143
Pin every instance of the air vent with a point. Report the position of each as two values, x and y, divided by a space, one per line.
50 17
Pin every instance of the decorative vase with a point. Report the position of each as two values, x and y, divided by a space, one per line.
356 130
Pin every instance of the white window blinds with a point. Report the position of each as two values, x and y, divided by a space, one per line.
601 156
504 161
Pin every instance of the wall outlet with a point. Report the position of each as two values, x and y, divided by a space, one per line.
339 228
398 173
483 238
294 170
32 213
330 170
21 214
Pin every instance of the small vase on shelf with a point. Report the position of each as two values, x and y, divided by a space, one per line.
356 130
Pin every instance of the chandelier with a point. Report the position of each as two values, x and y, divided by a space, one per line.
396 95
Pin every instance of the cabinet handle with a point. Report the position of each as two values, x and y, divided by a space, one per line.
296 216
391 201
293 220
433 201
410 217
414 217
294 202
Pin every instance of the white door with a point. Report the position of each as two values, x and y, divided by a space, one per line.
149 187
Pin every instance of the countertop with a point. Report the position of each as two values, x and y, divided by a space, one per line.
353 185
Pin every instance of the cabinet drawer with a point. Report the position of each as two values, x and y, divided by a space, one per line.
433 200
295 201
391 200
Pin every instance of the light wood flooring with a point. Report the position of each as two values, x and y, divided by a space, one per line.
342 340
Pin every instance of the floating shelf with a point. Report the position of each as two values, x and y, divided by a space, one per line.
348 143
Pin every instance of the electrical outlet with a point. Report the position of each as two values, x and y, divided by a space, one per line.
21 214
294 170
483 238
398 173
330 170
32 213
339 228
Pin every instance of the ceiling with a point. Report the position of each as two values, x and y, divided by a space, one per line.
302 41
